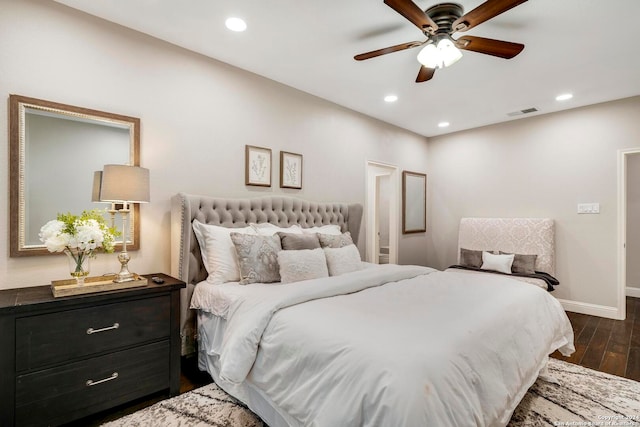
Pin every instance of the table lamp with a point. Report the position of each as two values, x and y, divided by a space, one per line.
124 185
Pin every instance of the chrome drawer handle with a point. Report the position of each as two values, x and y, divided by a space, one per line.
92 382
95 331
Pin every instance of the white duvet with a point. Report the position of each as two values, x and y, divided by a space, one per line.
393 346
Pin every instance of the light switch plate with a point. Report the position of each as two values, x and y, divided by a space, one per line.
588 208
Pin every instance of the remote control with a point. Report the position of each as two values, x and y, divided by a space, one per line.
156 279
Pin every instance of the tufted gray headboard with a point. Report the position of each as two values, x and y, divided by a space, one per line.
186 261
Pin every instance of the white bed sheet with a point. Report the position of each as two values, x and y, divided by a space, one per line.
217 298
432 349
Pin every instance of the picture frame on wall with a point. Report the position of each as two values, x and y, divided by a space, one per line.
257 168
414 202
290 170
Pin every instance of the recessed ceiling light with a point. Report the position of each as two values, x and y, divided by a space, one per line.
564 97
390 98
236 24
443 124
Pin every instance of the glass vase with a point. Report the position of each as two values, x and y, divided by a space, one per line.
78 264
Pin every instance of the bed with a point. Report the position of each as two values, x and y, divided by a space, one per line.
529 237
380 345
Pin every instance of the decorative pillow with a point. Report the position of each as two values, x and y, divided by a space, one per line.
304 264
524 264
324 229
343 260
335 241
501 263
218 252
258 258
268 229
470 258
297 242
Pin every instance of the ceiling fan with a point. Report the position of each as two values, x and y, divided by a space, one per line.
438 23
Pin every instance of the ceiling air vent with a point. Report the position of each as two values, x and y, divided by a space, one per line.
521 112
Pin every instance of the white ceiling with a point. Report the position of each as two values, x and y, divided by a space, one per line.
585 47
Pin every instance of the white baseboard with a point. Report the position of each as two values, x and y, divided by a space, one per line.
591 309
633 291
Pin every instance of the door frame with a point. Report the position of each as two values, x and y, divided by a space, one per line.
375 169
622 229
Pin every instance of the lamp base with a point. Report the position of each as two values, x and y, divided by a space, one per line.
124 275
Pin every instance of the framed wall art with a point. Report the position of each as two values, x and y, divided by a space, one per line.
414 202
257 169
290 170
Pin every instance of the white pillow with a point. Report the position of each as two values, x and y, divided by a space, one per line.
268 229
304 264
218 252
333 229
343 260
501 263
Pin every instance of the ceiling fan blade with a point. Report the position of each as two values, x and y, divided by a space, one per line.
425 74
386 50
487 10
413 13
493 47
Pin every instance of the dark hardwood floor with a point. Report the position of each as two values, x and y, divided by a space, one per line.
611 346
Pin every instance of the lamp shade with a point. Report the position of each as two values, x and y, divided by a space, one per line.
122 183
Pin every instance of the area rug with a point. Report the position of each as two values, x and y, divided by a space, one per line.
581 397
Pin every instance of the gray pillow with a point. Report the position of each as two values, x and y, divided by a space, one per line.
257 258
335 241
296 242
524 264
470 258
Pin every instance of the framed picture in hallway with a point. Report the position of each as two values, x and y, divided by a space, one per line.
414 202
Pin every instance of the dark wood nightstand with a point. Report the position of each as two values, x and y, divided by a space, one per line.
62 359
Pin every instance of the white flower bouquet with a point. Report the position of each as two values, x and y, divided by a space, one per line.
79 237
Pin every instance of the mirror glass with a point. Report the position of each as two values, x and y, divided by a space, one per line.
414 202
55 149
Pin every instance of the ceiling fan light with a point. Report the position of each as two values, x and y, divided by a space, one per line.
430 57
449 53
440 54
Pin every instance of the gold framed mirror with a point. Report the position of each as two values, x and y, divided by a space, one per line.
54 150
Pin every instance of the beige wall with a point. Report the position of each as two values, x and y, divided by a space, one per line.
633 221
197 114
539 167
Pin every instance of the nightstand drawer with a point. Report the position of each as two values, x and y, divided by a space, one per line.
58 337
77 389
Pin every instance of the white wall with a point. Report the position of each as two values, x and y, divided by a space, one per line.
539 167
633 221
197 114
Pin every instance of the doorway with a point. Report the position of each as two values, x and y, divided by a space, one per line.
382 213
633 226
628 232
